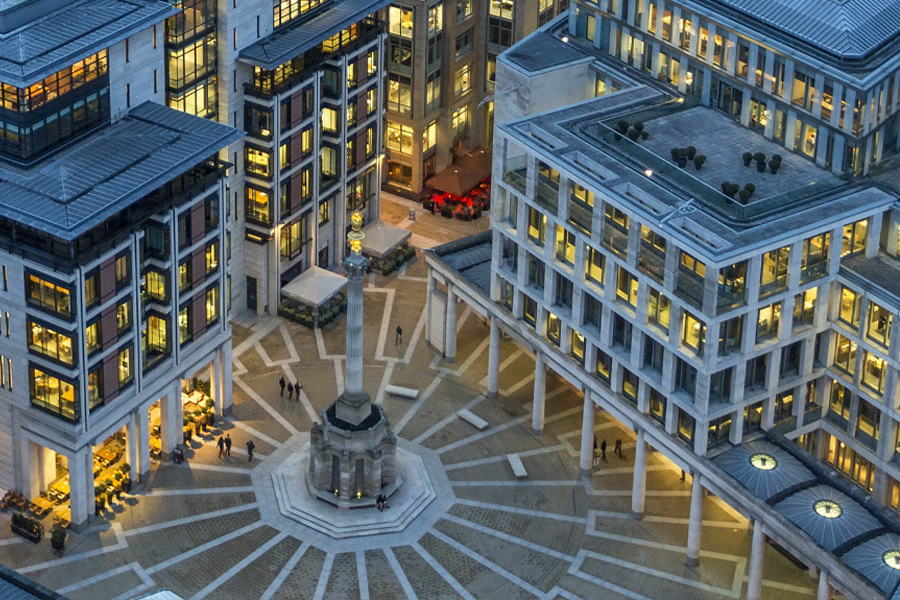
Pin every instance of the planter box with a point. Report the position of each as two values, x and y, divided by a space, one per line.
32 537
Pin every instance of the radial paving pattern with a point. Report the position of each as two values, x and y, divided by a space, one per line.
199 531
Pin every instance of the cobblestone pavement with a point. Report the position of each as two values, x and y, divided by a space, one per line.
196 528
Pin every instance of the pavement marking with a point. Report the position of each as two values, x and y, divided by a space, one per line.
787 587
562 593
362 575
289 343
444 573
385 380
204 547
522 511
285 571
411 411
653 493
509 538
338 375
398 572
217 468
11 541
518 483
518 420
307 406
194 491
385 321
266 406
121 543
265 326
417 333
444 422
263 354
412 278
134 566
239 368
243 564
516 386
320 344
192 519
505 363
665 520
469 360
502 458
255 432
323 577
514 579
607 585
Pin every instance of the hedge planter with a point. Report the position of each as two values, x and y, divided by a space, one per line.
28 535
28 528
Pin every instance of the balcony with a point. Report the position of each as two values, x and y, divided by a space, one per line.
689 287
652 262
814 271
547 195
728 299
580 215
615 239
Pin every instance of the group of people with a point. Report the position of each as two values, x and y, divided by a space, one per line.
381 502
224 445
291 389
617 450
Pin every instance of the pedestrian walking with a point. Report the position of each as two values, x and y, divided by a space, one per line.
297 388
682 474
618 448
595 444
250 447
399 338
603 449
281 383
227 445
290 390
221 445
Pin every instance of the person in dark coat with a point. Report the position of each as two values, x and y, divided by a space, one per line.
290 387
221 445
399 337
281 384
227 445
250 447
603 449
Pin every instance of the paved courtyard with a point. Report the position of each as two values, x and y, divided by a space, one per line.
198 528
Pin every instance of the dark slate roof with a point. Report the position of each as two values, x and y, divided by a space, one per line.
110 170
788 475
471 257
869 559
15 586
542 52
832 534
292 41
79 29
847 28
879 273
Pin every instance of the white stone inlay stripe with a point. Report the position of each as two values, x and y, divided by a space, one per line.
362 575
195 491
401 576
521 511
492 459
444 422
410 413
285 571
266 406
243 564
192 519
121 543
443 572
323 577
203 547
509 538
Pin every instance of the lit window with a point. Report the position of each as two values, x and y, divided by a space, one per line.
212 257
46 341
212 304
123 363
878 328
123 317
693 332
53 394
399 137
429 136
185 331
462 81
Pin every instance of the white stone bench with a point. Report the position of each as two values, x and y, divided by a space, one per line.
405 392
518 468
473 419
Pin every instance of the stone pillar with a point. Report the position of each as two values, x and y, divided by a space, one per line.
80 481
757 551
587 435
225 364
133 443
639 483
428 294
537 409
493 381
696 522
141 471
824 590
450 324
170 419
215 391
354 342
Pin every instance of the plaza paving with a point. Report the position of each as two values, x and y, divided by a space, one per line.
198 529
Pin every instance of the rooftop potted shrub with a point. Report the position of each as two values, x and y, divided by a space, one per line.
639 126
760 159
58 537
750 187
699 159
27 528
633 134
674 154
775 164
682 157
645 135
691 152
744 195
747 157
622 125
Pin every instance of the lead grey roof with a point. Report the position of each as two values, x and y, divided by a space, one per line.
471 257
788 475
111 170
847 28
853 523
544 51
80 29
868 559
292 41
15 586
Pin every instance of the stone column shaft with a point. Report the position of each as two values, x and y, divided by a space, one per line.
639 483
696 522
141 470
170 419
493 382
537 413
757 551
354 345
587 434
450 336
824 590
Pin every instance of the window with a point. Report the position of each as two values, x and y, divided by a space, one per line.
429 136
732 286
553 328
730 333
95 388
155 340
185 325
626 287
878 325
286 10
853 240
500 32
603 368
657 406
593 312
400 21
784 407
211 212
577 351
399 94
535 274
123 363
329 120
790 360
123 271
123 317
459 121
212 257
502 8
594 265
874 369
867 422
351 75
629 385
839 405
184 230
462 81
48 296
185 279
565 246
371 101
293 236
581 207
845 355
92 337
435 18
433 91
44 340
658 309
652 256
774 275
284 156
850 307
621 332
212 304
720 386
767 322
757 371
693 332
463 43
91 288
324 211
463 9
563 289
257 205
53 394
257 162
690 279
329 162
615 230
258 121
537 224
805 307
685 377
529 310
399 137
653 355
814 260
155 285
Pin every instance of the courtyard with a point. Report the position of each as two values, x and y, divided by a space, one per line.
204 528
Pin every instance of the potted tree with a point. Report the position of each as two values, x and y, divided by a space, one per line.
645 135
633 134
117 488
760 159
691 152
744 195
750 187
699 159
682 157
99 498
198 414
674 154
775 164
747 157
126 478
622 125
57 537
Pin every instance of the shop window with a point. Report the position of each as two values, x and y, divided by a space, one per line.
850 307
845 355
48 296
853 240
693 332
805 307
53 394
767 322
878 325
626 287
658 309
49 342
